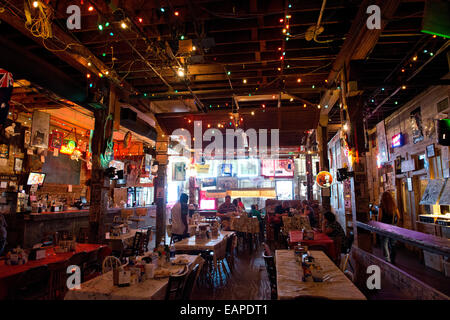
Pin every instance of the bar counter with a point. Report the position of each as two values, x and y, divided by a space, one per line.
27 229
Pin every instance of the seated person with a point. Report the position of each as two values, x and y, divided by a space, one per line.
333 229
254 212
276 221
308 211
225 210
227 206
285 207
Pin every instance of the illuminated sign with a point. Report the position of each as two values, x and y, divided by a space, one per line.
398 140
68 147
324 179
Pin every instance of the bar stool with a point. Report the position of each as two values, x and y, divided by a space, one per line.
126 214
140 213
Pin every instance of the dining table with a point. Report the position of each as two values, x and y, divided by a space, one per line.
290 284
207 244
9 272
320 239
103 288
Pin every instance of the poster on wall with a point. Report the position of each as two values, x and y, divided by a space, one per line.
415 119
227 169
56 140
40 129
4 151
148 162
445 198
277 168
179 171
432 192
382 143
227 183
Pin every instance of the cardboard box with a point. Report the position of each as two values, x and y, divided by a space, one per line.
433 261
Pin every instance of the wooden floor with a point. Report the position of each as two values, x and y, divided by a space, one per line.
248 281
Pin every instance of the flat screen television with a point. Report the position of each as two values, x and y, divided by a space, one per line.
36 178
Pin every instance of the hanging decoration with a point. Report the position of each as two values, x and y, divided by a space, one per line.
68 146
108 154
6 88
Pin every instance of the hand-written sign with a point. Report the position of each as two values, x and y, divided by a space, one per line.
432 192
408 165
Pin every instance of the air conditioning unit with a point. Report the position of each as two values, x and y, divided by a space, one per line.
130 120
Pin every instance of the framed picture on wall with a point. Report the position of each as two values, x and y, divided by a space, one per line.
430 151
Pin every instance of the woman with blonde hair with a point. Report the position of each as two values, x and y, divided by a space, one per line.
388 213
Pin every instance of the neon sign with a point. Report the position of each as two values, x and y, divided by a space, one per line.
398 140
68 147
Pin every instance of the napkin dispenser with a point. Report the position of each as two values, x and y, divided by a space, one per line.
37 254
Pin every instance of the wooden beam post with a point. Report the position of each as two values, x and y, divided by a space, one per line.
322 139
162 143
309 177
99 186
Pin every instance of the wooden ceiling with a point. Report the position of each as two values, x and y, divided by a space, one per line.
241 50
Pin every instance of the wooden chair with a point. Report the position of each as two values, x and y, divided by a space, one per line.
140 213
78 259
135 248
110 263
146 240
58 278
230 248
272 273
190 281
219 268
32 284
103 252
126 214
175 287
91 268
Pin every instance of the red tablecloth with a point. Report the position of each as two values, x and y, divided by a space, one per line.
7 272
320 239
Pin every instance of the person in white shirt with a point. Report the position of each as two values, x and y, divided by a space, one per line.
179 218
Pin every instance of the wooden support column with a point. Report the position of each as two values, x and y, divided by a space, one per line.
99 185
162 143
322 140
309 177
358 183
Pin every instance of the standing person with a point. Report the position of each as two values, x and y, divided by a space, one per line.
388 213
180 212
3 233
276 221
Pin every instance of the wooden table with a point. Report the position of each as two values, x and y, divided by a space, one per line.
102 288
190 244
320 239
8 273
424 241
290 284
